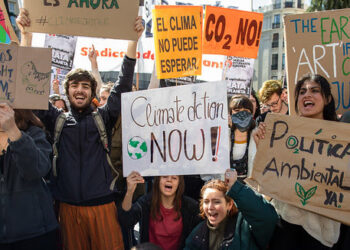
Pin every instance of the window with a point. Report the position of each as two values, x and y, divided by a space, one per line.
300 4
276 21
275 40
12 7
277 4
274 65
283 60
288 4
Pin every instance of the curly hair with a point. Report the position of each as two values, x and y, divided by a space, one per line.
222 187
329 109
80 75
269 88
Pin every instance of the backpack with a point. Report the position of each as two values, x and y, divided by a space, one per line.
61 119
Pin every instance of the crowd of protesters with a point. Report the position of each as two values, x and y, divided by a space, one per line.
71 195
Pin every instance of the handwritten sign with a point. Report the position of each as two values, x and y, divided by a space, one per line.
178 40
305 163
6 31
238 73
107 18
63 49
176 130
232 32
319 43
25 76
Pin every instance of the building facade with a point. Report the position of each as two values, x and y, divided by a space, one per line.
13 11
270 63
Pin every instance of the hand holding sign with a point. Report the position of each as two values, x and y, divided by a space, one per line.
132 180
139 26
305 164
23 20
259 133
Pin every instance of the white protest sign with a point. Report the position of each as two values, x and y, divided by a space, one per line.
63 48
176 131
238 73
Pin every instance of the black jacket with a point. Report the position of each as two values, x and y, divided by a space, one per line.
83 173
26 205
141 209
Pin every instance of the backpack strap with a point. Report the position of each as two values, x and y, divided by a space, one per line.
104 139
61 119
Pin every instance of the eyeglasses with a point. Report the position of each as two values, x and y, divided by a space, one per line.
273 104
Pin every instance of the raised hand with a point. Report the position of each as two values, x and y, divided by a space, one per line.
23 20
132 180
93 57
259 133
230 177
139 26
7 122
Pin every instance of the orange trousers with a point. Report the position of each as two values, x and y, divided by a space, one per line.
90 227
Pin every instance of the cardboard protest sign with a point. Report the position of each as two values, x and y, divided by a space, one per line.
319 43
63 49
7 33
178 40
25 76
306 163
238 73
107 18
176 130
232 32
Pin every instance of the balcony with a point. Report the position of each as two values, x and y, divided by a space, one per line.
276 25
274 44
288 4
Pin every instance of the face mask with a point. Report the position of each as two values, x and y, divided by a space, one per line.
242 120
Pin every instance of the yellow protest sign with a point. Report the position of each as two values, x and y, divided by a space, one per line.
178 40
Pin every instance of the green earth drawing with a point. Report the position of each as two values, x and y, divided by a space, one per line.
137 148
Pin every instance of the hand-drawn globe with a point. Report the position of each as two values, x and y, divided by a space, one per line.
137 148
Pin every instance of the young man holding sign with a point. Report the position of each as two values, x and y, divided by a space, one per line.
83 181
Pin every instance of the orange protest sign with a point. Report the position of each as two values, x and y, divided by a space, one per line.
178 40
232 32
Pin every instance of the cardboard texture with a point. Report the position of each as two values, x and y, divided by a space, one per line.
319 43
7 34
178 40
107 19
232 32
176 130
25 76
305 163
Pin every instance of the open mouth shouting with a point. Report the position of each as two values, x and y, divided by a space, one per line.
308 104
